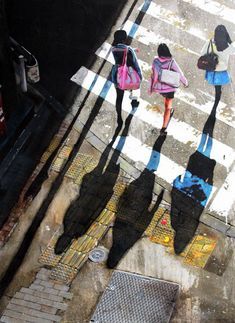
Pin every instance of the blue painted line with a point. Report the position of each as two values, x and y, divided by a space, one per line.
190 185
135 26
121 143
205 145
153 161
133 30
146 5
105 89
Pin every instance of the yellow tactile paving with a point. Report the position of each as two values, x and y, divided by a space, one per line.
97 230
106 217
196 253
49 258
119 188
163 237
155 220
54 143
200 251
65 151
45 156
80 176
58 164
84 244
73 258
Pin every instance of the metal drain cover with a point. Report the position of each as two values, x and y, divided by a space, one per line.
131 298
98 254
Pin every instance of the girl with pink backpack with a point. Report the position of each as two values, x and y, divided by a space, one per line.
165 79
126 73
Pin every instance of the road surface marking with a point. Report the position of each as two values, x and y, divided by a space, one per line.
179 130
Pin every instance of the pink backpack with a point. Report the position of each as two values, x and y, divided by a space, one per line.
127 77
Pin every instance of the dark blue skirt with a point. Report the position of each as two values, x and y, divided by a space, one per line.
217 78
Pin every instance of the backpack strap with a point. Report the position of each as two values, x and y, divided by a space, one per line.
170 65
124 56
210 45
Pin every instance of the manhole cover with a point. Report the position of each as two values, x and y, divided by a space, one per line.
131 298
98 254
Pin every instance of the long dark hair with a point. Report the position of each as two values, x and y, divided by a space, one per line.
163 51
221 38
120 37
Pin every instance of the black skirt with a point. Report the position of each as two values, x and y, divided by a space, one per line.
168 95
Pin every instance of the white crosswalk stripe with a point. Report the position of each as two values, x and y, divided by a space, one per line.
168 168
163 14
147 37
214 8
177 129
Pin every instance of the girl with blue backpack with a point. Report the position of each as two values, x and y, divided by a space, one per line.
165 79
126 73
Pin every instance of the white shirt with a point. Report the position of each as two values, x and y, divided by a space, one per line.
223 56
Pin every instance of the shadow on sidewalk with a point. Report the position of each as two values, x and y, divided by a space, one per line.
134 214
95 192
192 190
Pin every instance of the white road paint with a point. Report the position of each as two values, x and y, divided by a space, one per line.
214 8
167 169
170 17
223 113
148 37
179 130
139 152
224 201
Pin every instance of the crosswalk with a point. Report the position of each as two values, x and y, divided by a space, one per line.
183 136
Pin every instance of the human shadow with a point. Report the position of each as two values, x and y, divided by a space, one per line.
192 190
95 192
133 212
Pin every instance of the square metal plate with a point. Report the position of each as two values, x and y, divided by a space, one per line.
132 298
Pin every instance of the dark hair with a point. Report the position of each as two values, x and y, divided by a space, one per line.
163 51
221 38
120 37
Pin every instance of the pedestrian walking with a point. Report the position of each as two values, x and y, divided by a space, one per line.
165 79
126 73
221 46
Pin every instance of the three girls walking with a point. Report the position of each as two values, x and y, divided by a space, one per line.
165 65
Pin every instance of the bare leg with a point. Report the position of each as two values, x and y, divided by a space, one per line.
167 113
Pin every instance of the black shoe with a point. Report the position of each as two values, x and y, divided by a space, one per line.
163 131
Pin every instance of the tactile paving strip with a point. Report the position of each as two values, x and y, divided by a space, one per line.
196 253
119 188
200 251
53 145
67 265
131 298
48 257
